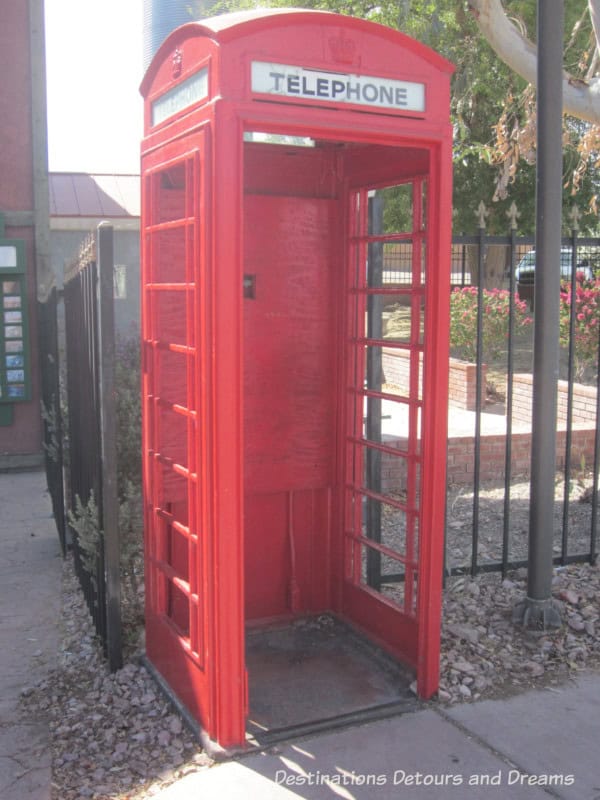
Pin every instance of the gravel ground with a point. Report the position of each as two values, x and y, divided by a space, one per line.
115 736
491 520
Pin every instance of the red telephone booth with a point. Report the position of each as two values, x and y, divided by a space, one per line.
296 223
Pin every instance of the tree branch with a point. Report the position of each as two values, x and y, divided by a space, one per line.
594 6
581 99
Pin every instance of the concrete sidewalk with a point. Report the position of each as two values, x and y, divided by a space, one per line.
30 568
541 744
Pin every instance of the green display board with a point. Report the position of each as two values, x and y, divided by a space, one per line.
15 373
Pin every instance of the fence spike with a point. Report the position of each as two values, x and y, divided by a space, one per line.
513 215
481 214
574 216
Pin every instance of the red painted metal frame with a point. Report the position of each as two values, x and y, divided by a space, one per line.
211 680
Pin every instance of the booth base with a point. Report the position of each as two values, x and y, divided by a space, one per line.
318 674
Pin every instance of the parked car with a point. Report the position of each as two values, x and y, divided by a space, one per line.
525 272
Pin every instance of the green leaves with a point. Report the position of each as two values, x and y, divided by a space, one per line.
495 321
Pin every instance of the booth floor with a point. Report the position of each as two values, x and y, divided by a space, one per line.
316 674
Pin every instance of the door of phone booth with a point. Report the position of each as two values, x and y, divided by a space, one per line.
296 216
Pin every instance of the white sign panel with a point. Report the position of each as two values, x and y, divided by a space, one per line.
285 80
8 256
191 90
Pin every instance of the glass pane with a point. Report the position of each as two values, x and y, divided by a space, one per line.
391 210
174 494
170 317
173 437
397 264
374 375
170 184
396 318
177 552
385 524
394 591
392 424
171 380
391 265
168 256
393 371
178 608
385 421
397 476
384 575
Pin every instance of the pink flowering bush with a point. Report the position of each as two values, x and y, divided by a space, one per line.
587 320
463 321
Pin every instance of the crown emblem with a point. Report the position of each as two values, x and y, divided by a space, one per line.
176 63
343 50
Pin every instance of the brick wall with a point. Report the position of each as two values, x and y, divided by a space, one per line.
584 401
461 454
20 440
461 457
462 385
462 381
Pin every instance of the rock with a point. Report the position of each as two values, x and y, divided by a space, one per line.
569 596
201 759
521 573
465 632
464 690
175 725
163 738
534 668
463 666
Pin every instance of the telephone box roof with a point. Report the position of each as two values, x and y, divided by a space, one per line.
228 27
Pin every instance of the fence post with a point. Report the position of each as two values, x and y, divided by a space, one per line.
108 443
513 215
481 213
569 432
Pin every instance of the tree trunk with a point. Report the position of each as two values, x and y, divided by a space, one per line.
494 266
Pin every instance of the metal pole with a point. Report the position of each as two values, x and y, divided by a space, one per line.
539 609
374 374
108 427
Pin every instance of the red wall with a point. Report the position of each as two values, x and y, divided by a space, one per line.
23 437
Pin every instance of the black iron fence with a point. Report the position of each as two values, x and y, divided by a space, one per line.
90 395
499 508
51 409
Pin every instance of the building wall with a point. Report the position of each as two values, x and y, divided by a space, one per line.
20 441
16 186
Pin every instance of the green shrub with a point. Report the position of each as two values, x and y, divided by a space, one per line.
586 322
495 321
